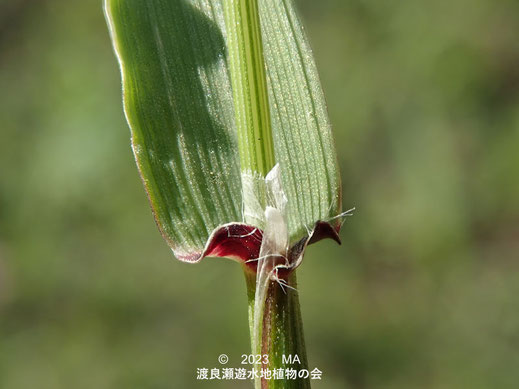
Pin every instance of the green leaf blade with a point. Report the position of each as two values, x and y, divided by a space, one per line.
175 91
302 132
179 104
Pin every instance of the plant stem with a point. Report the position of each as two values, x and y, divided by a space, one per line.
278 332
282 335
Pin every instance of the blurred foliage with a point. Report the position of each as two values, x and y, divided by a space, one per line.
424 98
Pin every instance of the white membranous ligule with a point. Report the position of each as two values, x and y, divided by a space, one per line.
264 204
253 205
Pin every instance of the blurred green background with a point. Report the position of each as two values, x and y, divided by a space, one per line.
424 291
